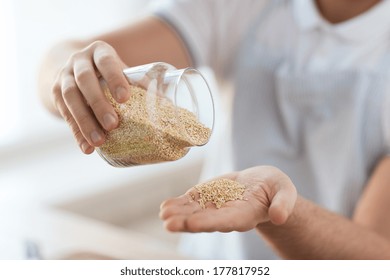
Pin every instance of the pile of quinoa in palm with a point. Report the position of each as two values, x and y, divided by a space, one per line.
151 129
219 192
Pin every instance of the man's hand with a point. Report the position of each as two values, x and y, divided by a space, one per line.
78 96
269 196
69 76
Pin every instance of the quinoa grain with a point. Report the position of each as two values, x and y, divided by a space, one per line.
219 192
151 129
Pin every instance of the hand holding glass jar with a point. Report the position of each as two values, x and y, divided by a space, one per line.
78 97
160 116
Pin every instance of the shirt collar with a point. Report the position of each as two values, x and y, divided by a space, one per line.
372 24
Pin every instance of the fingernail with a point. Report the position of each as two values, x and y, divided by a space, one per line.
85 147
121 94
109 121
96 137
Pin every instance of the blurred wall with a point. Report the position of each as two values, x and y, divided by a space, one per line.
31 28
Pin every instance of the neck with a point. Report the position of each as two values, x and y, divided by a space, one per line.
336 11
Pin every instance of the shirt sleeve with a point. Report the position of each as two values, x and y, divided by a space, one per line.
211 29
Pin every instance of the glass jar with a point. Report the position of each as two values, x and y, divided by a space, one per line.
169 111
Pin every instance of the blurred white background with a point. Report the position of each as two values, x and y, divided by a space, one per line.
50 192
30 28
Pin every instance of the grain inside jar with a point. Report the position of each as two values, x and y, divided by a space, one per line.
151 129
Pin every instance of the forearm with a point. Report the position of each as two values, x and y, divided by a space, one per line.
312 232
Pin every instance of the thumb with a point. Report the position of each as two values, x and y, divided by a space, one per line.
282 203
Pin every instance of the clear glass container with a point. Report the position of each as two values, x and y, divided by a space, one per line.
169 111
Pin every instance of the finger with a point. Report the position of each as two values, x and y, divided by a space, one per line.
89 86
176 223
282 204
111 68
180 200
81 114
225 219
172 206
67 116
190 196
179 209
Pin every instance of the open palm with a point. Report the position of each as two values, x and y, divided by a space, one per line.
269 196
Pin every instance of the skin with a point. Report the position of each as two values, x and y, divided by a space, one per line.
269 196
295 227
337 11
69 77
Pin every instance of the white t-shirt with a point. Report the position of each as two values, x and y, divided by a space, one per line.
311 98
